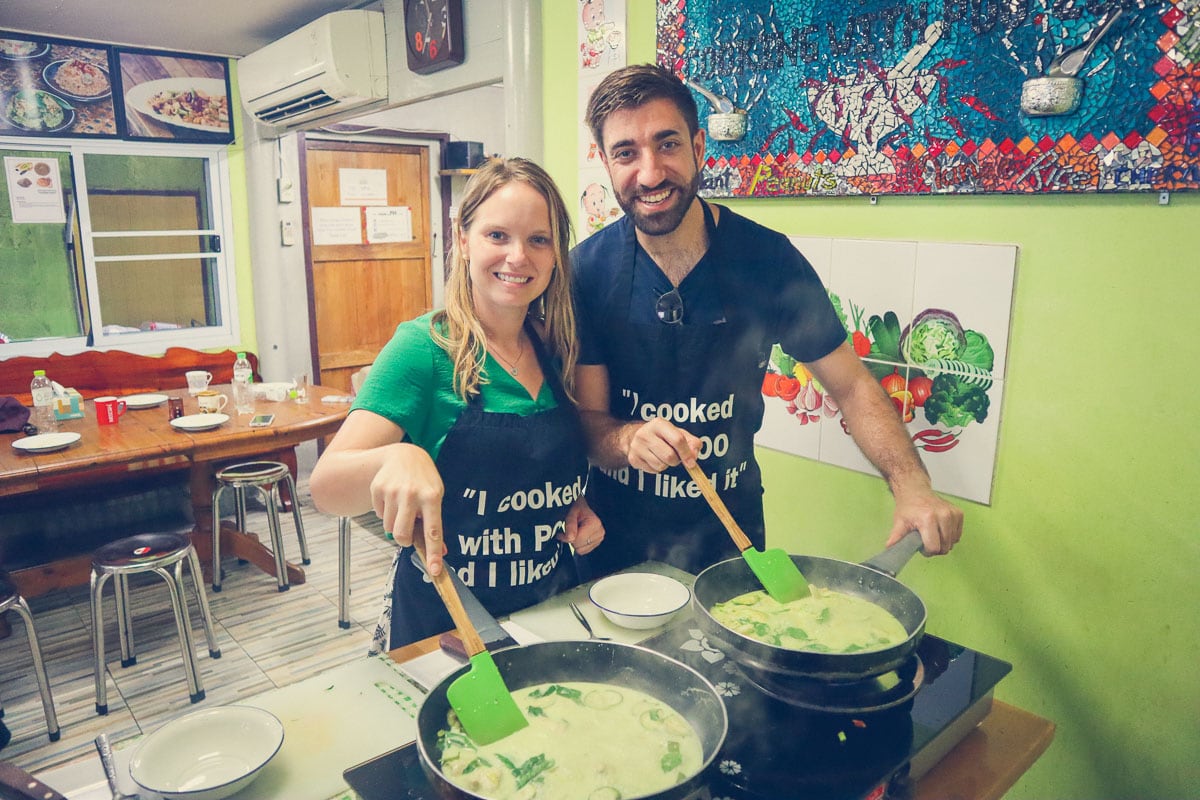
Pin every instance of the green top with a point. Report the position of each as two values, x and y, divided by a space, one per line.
411 383
38 372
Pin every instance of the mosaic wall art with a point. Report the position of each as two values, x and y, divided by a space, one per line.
810 97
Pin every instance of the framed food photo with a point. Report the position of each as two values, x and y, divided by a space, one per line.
55 87
174 96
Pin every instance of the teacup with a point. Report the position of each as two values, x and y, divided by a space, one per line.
211 401
198 380
109 410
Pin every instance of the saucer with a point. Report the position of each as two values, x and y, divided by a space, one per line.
47 442
144 400
199 422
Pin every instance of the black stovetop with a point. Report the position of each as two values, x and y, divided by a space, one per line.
775 750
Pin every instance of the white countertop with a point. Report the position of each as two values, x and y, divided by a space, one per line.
357 711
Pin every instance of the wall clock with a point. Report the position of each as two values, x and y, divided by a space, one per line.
433 34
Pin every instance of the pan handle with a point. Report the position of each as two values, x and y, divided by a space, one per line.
893 559
20 785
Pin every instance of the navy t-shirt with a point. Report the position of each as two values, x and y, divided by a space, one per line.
775 285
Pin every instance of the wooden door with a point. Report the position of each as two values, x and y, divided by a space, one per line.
362 285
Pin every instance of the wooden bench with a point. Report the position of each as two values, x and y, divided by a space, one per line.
95 373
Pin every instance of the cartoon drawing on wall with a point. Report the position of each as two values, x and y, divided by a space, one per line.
600 44
943 369
598 207
937 96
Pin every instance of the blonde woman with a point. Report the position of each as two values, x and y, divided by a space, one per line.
465 429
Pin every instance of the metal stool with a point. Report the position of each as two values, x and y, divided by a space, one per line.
9 599
343 572
265 476
148 552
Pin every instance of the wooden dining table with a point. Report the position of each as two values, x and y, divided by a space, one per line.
143 442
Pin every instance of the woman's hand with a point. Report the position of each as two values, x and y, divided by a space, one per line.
584 531
368 465
408 489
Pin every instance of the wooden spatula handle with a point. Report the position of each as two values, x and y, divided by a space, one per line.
718 506
445 589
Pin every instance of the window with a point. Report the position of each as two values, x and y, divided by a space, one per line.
135 258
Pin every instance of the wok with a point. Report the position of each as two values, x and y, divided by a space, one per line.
873 580
601 662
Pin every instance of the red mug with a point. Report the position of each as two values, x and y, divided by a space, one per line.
109 410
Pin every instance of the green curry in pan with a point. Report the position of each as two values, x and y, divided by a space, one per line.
824 622
584 741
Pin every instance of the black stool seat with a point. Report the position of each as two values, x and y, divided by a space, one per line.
136 552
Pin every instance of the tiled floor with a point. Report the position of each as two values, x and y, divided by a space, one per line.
267 639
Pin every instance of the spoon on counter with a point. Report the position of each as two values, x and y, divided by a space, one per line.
104 748
586 625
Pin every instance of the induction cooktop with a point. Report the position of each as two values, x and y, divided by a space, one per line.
777 749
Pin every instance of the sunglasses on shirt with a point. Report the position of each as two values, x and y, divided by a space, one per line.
669 308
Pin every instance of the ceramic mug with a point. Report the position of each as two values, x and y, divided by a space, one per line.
109 410
198 380
211 401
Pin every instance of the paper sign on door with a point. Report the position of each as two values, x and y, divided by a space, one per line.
389 224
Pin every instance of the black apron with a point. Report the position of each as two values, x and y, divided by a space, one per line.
509 482
706 379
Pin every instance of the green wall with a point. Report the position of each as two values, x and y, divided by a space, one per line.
1082 570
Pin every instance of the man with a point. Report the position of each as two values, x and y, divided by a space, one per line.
679 303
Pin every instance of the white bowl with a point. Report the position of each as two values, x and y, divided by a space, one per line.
639 600
207 755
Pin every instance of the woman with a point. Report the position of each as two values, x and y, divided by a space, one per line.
465 432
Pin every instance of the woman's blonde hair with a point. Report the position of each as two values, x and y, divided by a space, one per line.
457 329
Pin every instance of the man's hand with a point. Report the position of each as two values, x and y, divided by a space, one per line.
939 522
656 445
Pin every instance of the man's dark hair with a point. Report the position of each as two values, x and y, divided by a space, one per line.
634 86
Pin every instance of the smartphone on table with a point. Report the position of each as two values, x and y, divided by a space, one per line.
261 420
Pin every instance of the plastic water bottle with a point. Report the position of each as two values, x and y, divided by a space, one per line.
43 402
243 392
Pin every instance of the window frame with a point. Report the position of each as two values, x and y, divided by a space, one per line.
227 334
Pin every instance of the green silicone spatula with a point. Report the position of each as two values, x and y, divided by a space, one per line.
480 698
774 568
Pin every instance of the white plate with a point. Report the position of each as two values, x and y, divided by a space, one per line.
138 98
207 755
199 422
46 442
144 400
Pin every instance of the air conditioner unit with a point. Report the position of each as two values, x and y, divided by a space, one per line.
335 63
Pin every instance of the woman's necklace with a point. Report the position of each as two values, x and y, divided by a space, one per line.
511 366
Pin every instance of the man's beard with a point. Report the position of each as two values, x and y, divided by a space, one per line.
664 222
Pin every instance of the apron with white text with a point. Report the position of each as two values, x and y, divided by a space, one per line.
706 379
509 481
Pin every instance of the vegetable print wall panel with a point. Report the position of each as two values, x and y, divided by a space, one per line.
811 97
931 322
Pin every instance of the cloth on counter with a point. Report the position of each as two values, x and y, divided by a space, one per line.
13 415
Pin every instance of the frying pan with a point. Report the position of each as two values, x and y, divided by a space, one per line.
601 662
873 580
